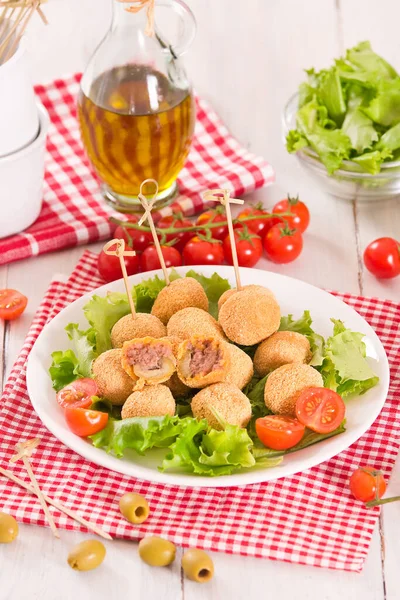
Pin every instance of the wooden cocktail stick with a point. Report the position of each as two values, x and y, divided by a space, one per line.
120 252
57 505
224 197
147 215
24 451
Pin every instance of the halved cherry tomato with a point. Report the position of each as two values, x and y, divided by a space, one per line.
134 238
178 221
12 304
110 268
149 259
382 258
215 215
203 251
320 409
300 218
248 247
258 226
367 484
279 433
78 393
84 422
283 245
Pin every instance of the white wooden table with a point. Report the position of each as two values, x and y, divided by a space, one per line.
247 60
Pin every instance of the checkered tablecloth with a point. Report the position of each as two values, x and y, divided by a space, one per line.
74 211
309 518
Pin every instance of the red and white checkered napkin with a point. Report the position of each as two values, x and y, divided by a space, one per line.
309 518
74 211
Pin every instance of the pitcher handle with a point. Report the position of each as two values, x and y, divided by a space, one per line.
188 26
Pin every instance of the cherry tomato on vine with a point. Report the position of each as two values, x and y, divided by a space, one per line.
320 409
176 221
382 258
279 433
215 215
12 304
79 393
110 269
248 246
258 226
149 259
134 238
84 422
367 484
283 245
300 218
203 251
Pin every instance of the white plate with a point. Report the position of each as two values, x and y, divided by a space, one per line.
294 296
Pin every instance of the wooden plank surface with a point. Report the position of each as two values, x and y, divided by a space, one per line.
247 60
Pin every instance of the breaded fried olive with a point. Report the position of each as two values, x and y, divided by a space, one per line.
87 555
157 552
197 565
134 507
181 293
8 528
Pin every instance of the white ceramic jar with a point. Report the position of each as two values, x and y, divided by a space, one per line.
21 181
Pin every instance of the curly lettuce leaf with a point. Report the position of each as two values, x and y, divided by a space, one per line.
371 161
64 368
360 130
102 314
83 344
390 140
330 94
295 141
214 287
145 292
364 58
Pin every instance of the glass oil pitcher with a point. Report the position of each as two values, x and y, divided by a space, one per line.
136 109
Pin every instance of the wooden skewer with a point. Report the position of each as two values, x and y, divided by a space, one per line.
28 15
224 197
120 252
57 505
24 451
147 215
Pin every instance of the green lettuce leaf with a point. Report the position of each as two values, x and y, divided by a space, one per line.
390 140
384 109
371 161
255 393
364 58
214 287
360 129
303 326
295 141
230 447
146 292
330 94
64 368
102 314
83 344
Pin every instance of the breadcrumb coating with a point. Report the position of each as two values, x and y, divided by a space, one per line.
250 316
193 321
227 400
241 369
179 294
113 382
152 401
285 384
282 348
228 293
142 325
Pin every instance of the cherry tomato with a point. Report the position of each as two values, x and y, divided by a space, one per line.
149 259
320 409
282 245
200 251
382 258
84 422
367 484
177 221
301 215
248 246
78 393
135 238
258 226
215 215
12 304
279 433
110 269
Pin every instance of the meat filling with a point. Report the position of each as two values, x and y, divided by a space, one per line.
204 359
148 357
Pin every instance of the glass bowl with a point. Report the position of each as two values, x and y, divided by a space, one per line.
350 181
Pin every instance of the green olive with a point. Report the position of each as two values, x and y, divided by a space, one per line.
197 565
87 555
8 528
134 508
156 551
